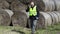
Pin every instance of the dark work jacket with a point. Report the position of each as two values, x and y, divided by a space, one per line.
33 17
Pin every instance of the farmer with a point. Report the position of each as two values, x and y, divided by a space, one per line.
33 16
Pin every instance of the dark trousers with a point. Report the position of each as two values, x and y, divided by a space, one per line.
33 25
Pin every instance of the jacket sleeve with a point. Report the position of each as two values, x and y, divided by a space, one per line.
37 11
27 10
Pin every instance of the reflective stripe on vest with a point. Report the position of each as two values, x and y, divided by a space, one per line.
33 11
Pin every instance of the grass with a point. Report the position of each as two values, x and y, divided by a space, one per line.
55 29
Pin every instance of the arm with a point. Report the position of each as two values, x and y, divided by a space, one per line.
27 12
37 17
37 11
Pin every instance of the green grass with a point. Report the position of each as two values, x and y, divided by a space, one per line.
55 29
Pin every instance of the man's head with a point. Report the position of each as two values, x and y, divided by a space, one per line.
32 4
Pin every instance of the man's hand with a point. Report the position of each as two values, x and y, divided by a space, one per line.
37 18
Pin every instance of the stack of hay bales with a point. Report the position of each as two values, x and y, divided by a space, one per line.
52 7
8 7
50 14
44 5
48 19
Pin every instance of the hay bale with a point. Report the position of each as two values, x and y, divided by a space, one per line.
56 17
17 6
58 14
47 5
52 17
4 18
57 4
44 20
4 4
19 19
52 5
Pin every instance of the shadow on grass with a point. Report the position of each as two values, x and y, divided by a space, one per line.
18 31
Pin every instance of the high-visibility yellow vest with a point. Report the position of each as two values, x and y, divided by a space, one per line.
32 11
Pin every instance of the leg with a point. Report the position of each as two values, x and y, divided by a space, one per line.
33 26
31 23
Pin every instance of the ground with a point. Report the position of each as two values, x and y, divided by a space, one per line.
55 29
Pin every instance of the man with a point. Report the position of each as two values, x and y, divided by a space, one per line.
33 16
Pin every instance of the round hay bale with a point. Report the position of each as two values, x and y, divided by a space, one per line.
17 6
48 5
57 4
58 14
56 17
52 5
52 17
4 4
44 20
4 18
19 19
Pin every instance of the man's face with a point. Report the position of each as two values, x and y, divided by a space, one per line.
32 4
